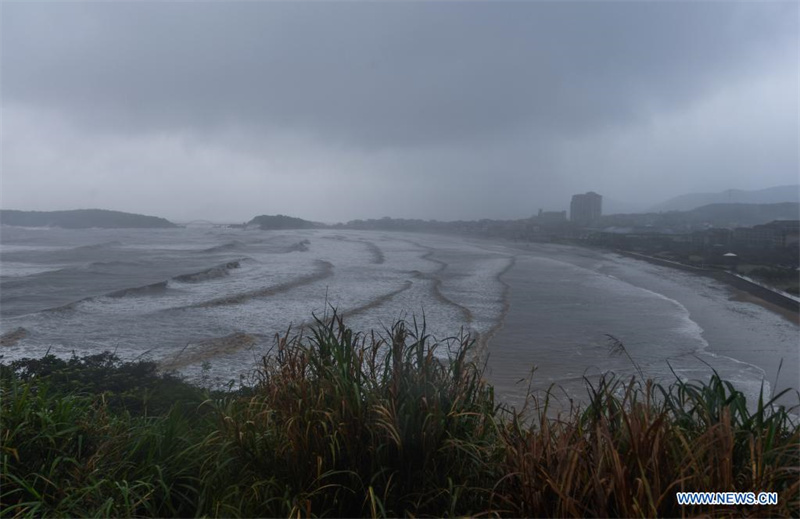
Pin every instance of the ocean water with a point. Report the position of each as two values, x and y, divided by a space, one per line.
187 297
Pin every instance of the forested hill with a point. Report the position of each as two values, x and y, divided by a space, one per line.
278 222
82 219
745 215
772 195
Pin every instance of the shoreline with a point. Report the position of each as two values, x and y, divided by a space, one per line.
742 289
742 296
778 374
772 350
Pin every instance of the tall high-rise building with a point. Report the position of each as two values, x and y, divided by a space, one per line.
586 209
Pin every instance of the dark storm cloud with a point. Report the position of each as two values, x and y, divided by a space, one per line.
394 74
435 110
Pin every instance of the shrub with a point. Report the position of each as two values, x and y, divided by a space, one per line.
348 425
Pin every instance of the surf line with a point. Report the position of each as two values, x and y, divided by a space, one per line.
377 301
437 283
482 340
469 317
324 270
145 290
351 312
376 253
153 288
206 349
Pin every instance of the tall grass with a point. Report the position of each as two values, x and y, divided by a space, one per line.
358 425
636 444
70 455
344 424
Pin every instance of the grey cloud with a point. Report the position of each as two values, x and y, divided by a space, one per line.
370 75
333 111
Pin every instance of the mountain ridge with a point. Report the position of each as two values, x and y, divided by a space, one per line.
770 195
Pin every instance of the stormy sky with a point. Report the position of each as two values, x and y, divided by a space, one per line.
447 110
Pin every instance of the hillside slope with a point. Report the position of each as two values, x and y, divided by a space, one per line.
772 195
82 219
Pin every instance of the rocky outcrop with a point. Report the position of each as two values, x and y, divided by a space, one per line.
13 337
206 349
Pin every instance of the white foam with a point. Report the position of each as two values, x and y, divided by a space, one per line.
14 270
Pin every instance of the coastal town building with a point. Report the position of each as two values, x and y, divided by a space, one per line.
758 237
551 216
586 209
789 232
776 234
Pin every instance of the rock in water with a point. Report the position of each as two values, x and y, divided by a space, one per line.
12 337
207 349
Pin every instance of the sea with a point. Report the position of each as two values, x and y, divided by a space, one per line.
209 301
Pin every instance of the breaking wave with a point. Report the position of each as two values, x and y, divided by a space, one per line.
204 275
146 290
98 246
226 247
324 269
198 351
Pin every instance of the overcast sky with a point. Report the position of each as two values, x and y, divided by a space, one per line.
448 110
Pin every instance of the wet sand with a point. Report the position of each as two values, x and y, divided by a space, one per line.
780 360
735 324
745 297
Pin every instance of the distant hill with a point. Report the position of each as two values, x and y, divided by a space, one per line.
716 215
82 219
772 195
745 215
279 222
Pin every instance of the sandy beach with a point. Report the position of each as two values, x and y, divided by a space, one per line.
747 339
779 360
745 297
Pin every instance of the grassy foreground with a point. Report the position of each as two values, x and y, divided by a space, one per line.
349 425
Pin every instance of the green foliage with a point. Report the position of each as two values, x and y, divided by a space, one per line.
70 455
352 424
348 425
137 387
638 443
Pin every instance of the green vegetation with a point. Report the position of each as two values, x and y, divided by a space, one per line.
348 425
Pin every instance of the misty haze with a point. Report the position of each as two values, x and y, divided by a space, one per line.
570 199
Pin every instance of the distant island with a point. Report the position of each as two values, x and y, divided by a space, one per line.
82 219
281 222
556 224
